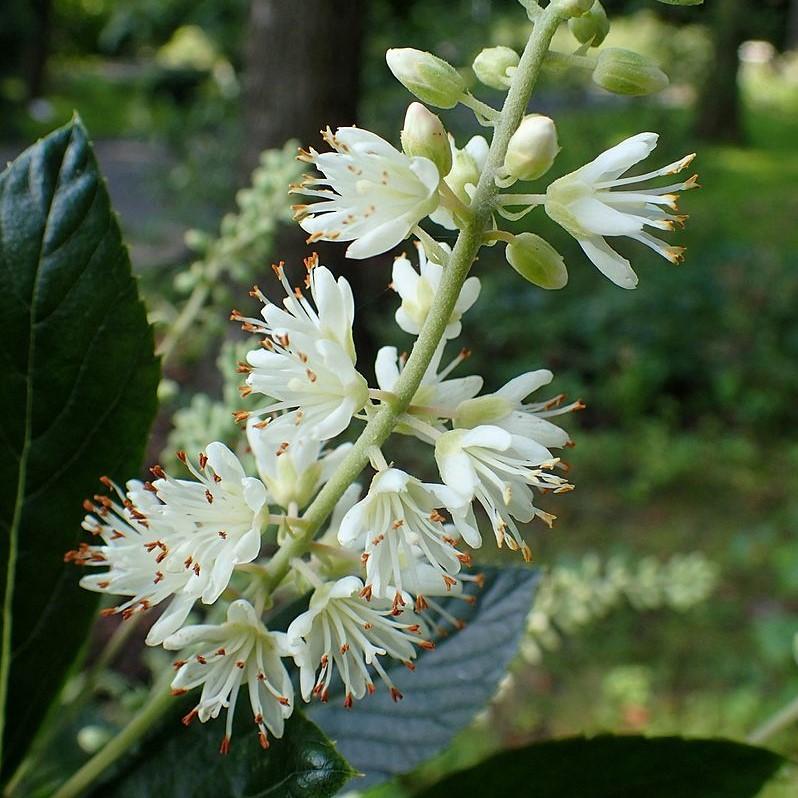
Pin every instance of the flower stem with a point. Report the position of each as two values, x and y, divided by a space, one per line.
785 717
465 251
158 703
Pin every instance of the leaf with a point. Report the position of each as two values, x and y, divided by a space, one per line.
448 687
682 2
186 763
78 398
619 767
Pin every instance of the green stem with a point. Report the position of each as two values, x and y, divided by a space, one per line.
159 702
465 251
785 717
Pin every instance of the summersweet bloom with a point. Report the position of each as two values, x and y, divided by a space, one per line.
371 194
342 631
467 166
590 206
225 657
436 399
506 409
499 470
292 469
306 363
175 538
418 288
399 513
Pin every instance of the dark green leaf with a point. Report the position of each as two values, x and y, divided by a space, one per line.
448 687
186 763
78 398
618 767
682 2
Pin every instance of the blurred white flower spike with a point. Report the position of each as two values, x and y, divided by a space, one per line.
226 657
371 194
588 204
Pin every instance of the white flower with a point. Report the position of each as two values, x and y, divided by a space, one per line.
239 651
307 362
186 545
499 470
437 397
341 630
585 204
399 513
371 194
467 166
293 470
418 288
506 409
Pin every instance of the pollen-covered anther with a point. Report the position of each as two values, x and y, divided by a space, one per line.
366 593
395 694
450 581
398 603
348 701
421 603
240 416
208 496
224 747
186 719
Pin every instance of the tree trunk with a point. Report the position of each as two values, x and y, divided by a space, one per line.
719 114
302 74
38 48
791 40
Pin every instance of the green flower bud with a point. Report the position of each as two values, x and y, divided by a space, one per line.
591 28
537 261
532 148
430 78
493 66
424 135
626 72
573 8
482 410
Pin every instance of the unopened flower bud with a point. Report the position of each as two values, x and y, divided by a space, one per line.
573 8
537 261
591 28
467 164
424 135
494 66
532 148
627 72
430 78
481 410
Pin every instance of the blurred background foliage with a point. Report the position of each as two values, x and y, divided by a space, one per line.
672 599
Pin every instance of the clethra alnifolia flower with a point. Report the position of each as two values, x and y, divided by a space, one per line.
343 631
223 658
175 538
595 202
371 194
306 364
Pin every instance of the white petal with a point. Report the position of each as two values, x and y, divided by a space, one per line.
518 388
609 262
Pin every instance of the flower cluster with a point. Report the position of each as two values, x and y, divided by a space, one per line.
287 511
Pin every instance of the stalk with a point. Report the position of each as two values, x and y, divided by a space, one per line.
465 251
